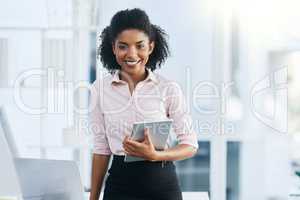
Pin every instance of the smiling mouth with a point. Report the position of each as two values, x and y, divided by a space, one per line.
131 62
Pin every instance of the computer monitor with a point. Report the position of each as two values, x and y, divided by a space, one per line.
49 179
8 133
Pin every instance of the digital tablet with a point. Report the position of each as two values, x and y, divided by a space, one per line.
159 133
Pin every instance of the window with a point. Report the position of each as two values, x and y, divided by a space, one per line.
3 62
193 173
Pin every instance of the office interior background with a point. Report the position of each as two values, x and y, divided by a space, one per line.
235 60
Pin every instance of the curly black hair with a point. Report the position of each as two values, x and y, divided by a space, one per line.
132 19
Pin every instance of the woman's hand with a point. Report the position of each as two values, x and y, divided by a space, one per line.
144 149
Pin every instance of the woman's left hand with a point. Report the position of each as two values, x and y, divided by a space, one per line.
144 149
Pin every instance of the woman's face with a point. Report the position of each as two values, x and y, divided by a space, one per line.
132 48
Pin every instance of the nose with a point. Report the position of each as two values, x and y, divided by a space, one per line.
132 52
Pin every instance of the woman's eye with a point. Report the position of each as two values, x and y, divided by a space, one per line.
140 46
122 47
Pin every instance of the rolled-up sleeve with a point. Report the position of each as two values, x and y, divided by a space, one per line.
178 111
96 122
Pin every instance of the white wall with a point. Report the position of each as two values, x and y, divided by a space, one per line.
189 25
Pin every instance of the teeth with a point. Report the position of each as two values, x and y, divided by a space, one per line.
131 62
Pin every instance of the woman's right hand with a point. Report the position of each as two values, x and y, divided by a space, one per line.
99 168
144 149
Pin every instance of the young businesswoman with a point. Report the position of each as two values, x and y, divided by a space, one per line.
132 49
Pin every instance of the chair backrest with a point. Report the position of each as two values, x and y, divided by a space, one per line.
195 196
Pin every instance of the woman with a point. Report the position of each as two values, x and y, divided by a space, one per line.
131 49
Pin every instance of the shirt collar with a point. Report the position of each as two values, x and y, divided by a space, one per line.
116 78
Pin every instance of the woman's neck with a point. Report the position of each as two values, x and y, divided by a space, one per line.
133 79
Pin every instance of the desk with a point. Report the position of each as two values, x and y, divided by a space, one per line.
195 196
186 196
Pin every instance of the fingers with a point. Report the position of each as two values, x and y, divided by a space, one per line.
146 131
134 143
125 140
129 148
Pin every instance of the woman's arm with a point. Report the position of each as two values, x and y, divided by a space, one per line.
179 152
99 168
101 148
146 150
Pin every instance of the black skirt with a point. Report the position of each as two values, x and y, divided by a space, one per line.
142 180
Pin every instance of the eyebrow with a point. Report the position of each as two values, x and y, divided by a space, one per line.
139 42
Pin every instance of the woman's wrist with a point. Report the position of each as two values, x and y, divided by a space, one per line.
158 156
94 195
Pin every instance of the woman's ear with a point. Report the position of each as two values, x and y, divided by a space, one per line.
151 47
